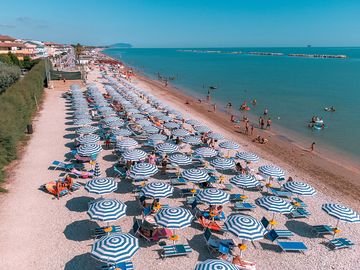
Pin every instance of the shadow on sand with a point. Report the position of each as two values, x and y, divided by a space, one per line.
80 262
80 230
79 204
300 228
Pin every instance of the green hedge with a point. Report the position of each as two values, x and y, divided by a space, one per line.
17 107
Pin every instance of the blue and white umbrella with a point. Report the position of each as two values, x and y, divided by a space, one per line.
144 123
171 125
341 212
193 122
195 175
180 132
245 227
132 110
192 140
142 171
82 122
223 163
245 181
180 159
138 116
115 124
213 264
213 196
272 171
247 156
157 137
205 152
115 248
107 210
230 145
275 204
134 155
167 148
174 218
86 130
300 188
127 143
164 118
150 129
202 129
88 139
97 171
157 190
122 132
101 186
88 150
216 136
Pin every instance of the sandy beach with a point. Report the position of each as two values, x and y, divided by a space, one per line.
38 231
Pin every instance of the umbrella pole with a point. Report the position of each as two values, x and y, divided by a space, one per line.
273 216
336 227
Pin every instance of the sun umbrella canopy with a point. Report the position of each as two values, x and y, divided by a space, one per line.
275 204
245 181
86 130
107 210
193 122
223 163
88 139
300 188
157 190
121 132
167 148
174 218
143 170
82 122
115 248
171 125
134 155
195 175
230 145
192 140
206 152
247 156
202 129
215 136
180 159
127 143
272 171
341 212
104 185
215 265
150 129
157 137
213 196
245 227
144 123
88 150
180 132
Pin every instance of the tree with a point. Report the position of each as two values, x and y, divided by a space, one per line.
78 51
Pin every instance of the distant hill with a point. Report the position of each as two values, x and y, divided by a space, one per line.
121 45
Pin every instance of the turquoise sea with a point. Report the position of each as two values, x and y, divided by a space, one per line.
292 88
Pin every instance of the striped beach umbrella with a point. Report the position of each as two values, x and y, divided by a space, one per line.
105 185
88 150
157 137
138 116
134 155
216 136
230 145
82 122
300 188
132 111
144 123
167 148
115 124
115 248
206 152
193 122
180 159
107 210
180 132
164 118
97 171
150 129
275 204
221 163
171 125
215 264
213 196
272 171
192 140
245 227
88 139
247 156
195 175
127 143
86 130
157 190
245 181
122 132
174 218
143 171
341 212
202 129
110 119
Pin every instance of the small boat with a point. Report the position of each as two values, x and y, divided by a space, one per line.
331 109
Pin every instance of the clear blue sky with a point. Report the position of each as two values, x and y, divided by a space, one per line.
186 23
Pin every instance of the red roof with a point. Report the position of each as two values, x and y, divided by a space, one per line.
11 44
6 38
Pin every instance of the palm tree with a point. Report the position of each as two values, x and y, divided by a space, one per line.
78 51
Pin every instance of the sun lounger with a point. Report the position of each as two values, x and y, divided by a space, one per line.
214 245
236 197
82 174
119 266
239 206
323 229
178 181
175 250
212 225
280 233
228 187
119 173
102 231
286 245
281 193
64 166
299 203
187 192
339 243
299 213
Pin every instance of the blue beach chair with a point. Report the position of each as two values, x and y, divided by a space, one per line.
119 266
239 206
339 243
175 250
280 233
323 229
286 245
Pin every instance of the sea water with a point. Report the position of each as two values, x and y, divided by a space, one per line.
293 89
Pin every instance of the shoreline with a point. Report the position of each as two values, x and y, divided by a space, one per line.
332 177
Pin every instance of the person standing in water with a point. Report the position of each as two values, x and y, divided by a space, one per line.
268 123
262 123
266 111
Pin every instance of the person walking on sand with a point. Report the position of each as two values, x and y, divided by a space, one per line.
247 127
252 130
268 123
313 146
